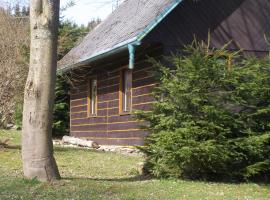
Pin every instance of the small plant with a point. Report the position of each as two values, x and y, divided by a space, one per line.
211 120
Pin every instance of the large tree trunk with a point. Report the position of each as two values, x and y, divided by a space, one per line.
37 147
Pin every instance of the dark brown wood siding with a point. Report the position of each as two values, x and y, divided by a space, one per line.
243 22
109 127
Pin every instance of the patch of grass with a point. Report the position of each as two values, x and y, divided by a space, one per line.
14 136
95 175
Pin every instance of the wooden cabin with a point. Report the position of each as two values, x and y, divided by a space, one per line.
110 64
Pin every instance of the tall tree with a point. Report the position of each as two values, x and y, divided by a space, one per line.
70 34
37 147
17 10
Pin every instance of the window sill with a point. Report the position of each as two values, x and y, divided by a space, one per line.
92 116
124 113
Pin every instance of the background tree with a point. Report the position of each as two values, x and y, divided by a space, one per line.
93 23
70 34
15 58
14 45
37 147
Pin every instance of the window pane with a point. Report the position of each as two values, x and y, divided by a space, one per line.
126 90
93 96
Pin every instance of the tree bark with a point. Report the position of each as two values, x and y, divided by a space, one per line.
37 146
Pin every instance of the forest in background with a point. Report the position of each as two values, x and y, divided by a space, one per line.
14 61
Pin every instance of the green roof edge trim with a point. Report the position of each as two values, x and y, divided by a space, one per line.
136 41
158 19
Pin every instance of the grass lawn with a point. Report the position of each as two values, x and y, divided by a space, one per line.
94 175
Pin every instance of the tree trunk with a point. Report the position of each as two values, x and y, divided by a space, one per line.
37 146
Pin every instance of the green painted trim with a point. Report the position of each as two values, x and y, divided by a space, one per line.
157 20
126 45
116 49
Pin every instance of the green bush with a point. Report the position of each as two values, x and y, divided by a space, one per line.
18 115
61 108
211 119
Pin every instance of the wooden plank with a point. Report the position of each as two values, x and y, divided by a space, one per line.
126 130
112 135
78 96
119 142
89 121
108 89
143 99
78 115
145 89
78 109
78 102
107 96
143 82
145 106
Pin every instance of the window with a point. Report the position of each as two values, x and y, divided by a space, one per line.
92 97
125 91
225 58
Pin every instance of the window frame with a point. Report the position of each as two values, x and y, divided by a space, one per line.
89 97
122 93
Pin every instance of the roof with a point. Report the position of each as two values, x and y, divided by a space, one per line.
128 24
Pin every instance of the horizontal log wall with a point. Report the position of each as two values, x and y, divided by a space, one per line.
109 127
238 24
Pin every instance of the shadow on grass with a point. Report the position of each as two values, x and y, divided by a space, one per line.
12 147
56 148
226 182
82 149
120 180
68 149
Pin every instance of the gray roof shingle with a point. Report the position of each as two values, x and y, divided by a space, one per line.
124 25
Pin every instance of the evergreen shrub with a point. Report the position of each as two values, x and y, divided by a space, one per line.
211 118
61 108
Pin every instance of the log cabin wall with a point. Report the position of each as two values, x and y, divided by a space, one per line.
109 127
244 23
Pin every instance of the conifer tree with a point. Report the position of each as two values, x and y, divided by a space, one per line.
211 120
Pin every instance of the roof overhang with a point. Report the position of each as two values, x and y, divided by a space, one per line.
126 45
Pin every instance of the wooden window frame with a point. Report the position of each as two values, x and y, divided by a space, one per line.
121 92
89 98
228 57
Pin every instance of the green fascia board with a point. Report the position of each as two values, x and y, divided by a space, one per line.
136 41
158 19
